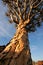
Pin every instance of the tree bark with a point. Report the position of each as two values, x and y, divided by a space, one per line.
17 52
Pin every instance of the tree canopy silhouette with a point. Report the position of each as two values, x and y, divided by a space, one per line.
27 15
27 11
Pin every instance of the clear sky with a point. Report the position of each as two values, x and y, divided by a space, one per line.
7 31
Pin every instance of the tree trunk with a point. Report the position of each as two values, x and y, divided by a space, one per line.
17 52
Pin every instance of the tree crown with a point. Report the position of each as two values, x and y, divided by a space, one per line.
27 11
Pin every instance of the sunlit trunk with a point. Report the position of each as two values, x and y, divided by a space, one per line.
17 52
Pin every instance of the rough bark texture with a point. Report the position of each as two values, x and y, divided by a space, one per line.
17 52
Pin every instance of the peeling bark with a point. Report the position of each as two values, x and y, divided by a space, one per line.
17 52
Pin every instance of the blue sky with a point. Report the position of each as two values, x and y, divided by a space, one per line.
7 31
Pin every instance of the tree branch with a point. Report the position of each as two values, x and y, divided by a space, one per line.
30 5
25 6
37 4
34 2
18 8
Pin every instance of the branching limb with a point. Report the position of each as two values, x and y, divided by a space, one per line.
25 6
14 16
30 5
37 4
34 2
32 16
18 9
17 14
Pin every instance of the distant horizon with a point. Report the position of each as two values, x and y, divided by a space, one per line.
7 31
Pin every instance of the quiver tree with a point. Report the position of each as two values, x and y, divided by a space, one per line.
27 15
